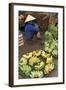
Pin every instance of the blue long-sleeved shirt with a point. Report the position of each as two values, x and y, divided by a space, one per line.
30 30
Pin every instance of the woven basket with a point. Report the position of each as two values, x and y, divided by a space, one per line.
21 40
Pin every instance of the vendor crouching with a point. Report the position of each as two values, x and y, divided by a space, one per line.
31 28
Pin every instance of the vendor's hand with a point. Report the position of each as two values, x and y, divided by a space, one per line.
38 35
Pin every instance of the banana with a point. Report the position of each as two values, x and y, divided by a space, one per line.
40 66
43 54
46 70
37 53
28 55
23 61
51 66
49 60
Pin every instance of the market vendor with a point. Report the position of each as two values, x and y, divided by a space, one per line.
31 28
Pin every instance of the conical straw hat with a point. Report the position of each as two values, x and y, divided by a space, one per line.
29 18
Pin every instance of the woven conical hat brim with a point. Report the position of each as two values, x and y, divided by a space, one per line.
29 18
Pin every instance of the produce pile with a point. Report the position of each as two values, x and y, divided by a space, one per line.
36 64
51 40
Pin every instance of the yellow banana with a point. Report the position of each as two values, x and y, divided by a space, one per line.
37 52
28 55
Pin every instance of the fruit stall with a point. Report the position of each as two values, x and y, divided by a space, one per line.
39 58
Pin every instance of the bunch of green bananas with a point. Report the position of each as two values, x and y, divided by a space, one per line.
36 64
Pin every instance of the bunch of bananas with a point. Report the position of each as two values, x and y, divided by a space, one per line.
48 68
38 62
49 65
36 74
28 55
33 60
